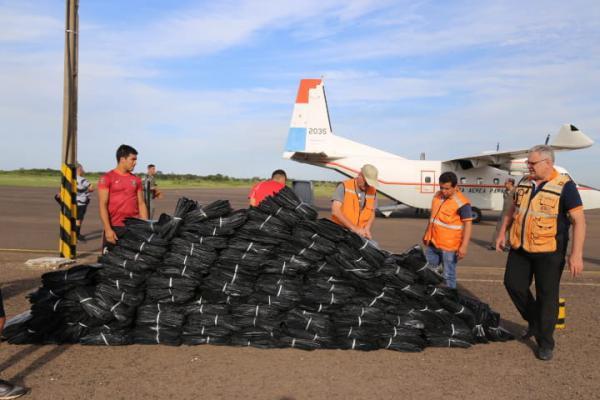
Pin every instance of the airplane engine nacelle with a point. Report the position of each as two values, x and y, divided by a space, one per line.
516 167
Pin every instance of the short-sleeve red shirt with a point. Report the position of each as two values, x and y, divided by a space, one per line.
264 189
122 195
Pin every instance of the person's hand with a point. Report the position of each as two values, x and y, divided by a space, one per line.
575 263
159 194
426 242
461 252
111 236
368 234
359 231
500 242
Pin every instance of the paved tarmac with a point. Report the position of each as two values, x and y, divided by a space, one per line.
29 218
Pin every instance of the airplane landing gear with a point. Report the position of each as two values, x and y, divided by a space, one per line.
476 215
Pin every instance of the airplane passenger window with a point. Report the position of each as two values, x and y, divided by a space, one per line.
427 179
479 181
463 180
496 181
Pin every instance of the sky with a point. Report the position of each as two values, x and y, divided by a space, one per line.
208 87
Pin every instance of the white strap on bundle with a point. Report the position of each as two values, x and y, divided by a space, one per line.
56 304
311 245
192 249
170 282
322 266
265 221
377 298
389 343
256 311
115 306
214 231
350 331
308 324
185 260
104 339
183 270
422 268
358 260
142 246
82 324
359 321
453 331
462 309
278 211
149 240
235 273
364 245
224 287
122 296
152 226
315 235
157 314
332 299
362 311
52 293
117 284
124 263
395 331
216 319
294 342
137 255
332 288
279 290
86 299
283 268
66 274
320 307
254 322
353 343
249 246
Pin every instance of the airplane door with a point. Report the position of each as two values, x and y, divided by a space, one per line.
427 181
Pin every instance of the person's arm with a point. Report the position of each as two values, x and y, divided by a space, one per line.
142 205
464 244
575 261
91 187
507 221
336 211
109 234
2 322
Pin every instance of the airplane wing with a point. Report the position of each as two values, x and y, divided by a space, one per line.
568 138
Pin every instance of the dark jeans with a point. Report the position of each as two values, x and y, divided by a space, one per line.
540 312
107 246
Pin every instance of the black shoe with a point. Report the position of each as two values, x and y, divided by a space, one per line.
10 391
544 354
81 238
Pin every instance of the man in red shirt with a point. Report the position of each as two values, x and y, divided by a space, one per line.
267 188
120 195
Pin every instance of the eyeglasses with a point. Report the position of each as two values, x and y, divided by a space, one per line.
534 163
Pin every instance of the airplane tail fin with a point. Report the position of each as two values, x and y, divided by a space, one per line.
570 138
310 128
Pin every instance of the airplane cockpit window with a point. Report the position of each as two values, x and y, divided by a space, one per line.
480 181
496 181
463 180
427 179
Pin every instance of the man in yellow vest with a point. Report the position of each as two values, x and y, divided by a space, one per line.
545 204
355 200
449 229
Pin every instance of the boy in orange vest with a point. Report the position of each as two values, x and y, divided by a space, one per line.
355 200
449 229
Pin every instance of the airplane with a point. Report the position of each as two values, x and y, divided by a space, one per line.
413 182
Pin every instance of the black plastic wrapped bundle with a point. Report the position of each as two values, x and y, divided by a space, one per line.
221 226
126 278
248 246
311 326
111 258
235 256
445 341
362 271
280 286
298 343
170 289
134 256
288 199
299 250
151 238
196 321
142 247
312 240
415 261
146 227
280 303
367 249
100 338
326 228
90 304
120 310
257 316
230 279
62 281
262 224
213 242
282 267
396 275
158 323
205 253
184 206
216 209
270 206
399 341
357 344
250 233
131 298
254 337
321 291
185 263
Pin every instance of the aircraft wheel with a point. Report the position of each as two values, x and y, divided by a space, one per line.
476 215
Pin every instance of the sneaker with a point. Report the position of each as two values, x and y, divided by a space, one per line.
10 391
544 354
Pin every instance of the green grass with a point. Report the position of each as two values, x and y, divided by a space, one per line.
51 178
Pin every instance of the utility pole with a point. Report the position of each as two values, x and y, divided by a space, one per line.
68 189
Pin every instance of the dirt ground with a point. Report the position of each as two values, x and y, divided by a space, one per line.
497 370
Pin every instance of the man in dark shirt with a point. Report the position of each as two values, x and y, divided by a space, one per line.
7 389
545 204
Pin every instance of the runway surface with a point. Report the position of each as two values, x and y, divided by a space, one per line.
499 370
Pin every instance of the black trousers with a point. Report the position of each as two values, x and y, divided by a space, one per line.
540 312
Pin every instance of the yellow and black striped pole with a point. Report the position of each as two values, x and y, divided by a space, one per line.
68 211
562 313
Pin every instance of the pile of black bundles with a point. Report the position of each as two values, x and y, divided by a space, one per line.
279 291
270 206
143 247
204 252
414 260
256 316
158 323
229 280
265 228
61 310
208 324
170 289
106 335
212 242
288 199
